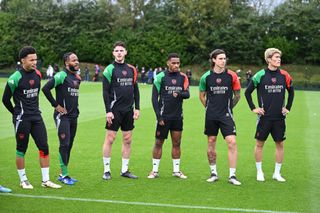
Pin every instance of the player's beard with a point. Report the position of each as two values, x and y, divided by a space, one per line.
73 69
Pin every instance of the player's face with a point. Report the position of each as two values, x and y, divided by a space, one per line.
119 54
173 64
220 61
29 62
275 60
73 63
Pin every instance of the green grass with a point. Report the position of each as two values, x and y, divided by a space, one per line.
299 194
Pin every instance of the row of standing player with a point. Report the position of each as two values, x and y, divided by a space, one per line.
120 93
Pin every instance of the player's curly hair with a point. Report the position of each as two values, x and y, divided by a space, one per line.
66 57
25 51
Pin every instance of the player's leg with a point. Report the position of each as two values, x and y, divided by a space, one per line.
127 127
106 149
228 130
161 134
262 131
176 153
64 140
278 134
107 145
39 135
211 130
22 129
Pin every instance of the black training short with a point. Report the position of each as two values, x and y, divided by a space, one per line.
226 126
123 120
173 125
277 128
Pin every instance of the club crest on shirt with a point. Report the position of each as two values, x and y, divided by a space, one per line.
124 72
218 80
273 80
174 81
31 83
76 84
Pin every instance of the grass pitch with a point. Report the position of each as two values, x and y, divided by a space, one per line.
167 194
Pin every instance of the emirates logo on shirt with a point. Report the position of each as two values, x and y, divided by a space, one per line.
31 83
124 72
174 81
274 80
218 81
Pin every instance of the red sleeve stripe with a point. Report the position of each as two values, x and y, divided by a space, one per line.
288 78
135 73
38 73
185 82
235 81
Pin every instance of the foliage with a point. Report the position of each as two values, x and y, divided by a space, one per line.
152 29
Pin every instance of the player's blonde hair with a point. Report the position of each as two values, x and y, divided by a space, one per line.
270 52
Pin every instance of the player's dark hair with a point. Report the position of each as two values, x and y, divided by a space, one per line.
25 51
66 57
173 55
119 43
214 54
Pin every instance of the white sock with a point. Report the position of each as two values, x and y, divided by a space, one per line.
176 165
277 168
106 164
155 165
232 172
213 169
125 163
259 166
45 174
22 175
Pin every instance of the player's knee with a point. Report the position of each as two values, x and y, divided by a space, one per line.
176 143
127 138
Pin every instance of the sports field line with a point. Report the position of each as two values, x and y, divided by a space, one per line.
143 203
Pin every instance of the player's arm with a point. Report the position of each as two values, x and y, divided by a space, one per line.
6 99
286 110
46 89
236 97
105 92
184 94
248 95
202 97
155 102
136 92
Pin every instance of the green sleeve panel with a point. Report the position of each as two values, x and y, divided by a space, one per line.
13 81
59 78
257 77
157 81
202 83
108 72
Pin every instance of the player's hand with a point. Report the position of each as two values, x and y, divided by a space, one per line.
285 111
61 110
259 111
110 117
161 122
136 114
